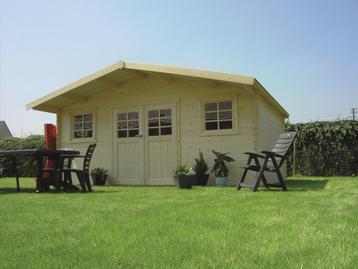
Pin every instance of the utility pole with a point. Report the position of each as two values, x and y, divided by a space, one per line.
354 112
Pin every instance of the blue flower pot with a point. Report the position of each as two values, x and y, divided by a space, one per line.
221 181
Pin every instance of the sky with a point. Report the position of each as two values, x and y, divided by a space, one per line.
305 53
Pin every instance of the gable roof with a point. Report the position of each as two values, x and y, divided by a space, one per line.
4 130
123 71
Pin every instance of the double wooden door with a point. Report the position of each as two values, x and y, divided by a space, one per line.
145 144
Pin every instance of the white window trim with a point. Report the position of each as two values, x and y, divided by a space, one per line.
94 125
234 130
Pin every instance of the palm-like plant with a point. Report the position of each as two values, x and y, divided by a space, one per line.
220 168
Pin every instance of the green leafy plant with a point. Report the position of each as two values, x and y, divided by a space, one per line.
220 169
181 169
200 167
98 172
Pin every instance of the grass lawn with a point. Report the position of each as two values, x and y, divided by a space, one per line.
313 225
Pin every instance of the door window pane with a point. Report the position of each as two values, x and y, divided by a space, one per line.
153 132
128 124
122 134
133 133
166 122
153 114
160 118
153 122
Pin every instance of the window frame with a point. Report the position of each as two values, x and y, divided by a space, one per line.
233 130
72 129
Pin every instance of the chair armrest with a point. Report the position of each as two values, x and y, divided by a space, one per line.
254 154
271 153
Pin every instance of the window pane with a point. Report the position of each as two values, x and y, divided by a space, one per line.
133 133
133 115
225 124
166 131
133 124
122 125
211 106
211 116
87 117
153 132
153 123
153 114
166 122
165 112
211 125
87 133
77 134
122 134
225 105
122 116
78 126
88 125
78 118
225 115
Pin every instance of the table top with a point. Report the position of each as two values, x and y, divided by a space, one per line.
36 152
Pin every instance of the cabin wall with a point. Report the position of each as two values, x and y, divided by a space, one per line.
187 95
271 124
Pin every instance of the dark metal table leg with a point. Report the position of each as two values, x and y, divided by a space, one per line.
14 166
39 176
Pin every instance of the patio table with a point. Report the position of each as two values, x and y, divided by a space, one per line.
39 155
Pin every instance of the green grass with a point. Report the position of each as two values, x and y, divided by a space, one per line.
313 225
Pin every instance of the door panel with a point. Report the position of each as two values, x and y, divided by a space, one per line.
127 168
160 144
162 160
128 148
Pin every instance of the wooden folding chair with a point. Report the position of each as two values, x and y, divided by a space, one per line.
271 161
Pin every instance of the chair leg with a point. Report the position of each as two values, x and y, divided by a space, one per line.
260 175
82 181
88 182
282 181
242 179
279 175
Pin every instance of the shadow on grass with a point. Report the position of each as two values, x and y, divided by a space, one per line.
306 184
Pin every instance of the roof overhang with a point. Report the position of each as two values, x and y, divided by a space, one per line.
123 71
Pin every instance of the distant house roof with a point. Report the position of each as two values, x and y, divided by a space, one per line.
123 71
4 130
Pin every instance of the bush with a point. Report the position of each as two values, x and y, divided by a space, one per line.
327 148
26 165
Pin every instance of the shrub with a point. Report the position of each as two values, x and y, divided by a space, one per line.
26 166
327 148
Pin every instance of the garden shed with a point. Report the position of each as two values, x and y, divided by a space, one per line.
147 118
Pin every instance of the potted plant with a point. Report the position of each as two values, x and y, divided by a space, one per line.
182 178
200 168
99 176
220 169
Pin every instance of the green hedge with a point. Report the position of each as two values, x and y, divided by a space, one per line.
325 148
26 166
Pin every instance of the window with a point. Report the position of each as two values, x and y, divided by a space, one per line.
160 122
127 124
83 126
218 115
